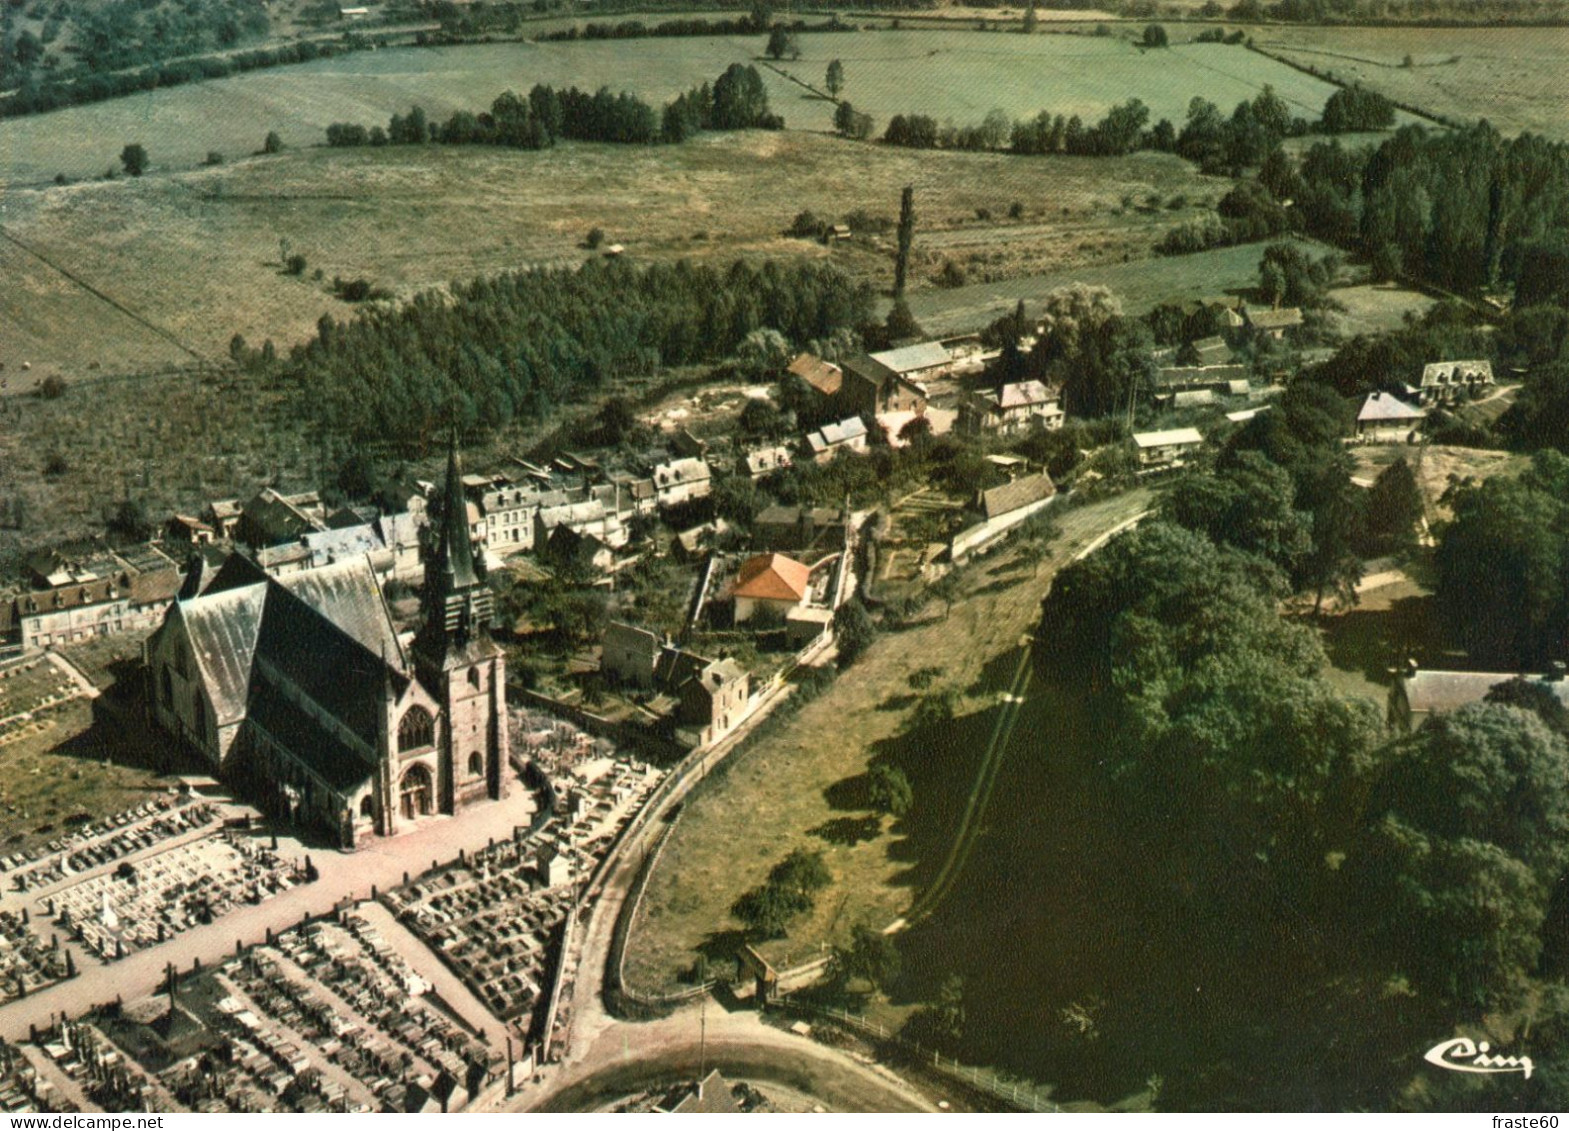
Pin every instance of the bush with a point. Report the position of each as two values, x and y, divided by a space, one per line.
272 143
595 237
1016 210
213 158
294 265
52 388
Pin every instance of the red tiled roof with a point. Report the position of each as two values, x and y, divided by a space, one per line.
772 577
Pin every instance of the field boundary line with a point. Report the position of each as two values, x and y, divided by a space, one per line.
98 294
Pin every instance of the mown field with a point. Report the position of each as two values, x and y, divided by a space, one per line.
958 75
961 75
198 253
1512 76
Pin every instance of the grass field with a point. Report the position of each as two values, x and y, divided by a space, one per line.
962 75
1376 308
796 787
197 253
1140 284
1512 76
947 74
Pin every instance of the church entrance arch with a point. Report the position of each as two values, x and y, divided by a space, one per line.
416 792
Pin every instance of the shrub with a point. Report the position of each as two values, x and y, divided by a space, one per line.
595 237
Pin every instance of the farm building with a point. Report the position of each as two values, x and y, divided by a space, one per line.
1418 694
891 381
1385 417
1011 408
1444 382
824 377
1272 323
1168 448
769 582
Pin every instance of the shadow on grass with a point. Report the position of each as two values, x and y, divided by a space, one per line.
1373 641
848 832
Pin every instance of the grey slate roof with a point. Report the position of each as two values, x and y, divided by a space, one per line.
222 628
296 729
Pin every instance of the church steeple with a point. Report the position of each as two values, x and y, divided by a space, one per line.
455 552
458 605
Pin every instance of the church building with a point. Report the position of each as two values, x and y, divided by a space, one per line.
298 691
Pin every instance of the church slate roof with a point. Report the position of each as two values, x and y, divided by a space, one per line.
296 729
222 628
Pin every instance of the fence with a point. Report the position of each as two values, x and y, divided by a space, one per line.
1025 1097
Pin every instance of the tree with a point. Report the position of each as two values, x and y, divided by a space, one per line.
1394 509
1466 838
782 42
272 143
871 957
763 353
906 237
851 123
1248 503
1032 19
889 791
854 631
940 1024
130 521
947 589
1155 36
834 79
134 158
901 323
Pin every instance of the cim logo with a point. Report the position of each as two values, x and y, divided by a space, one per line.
1461 1054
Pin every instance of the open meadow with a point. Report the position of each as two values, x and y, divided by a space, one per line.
958 75
197 254
1512 76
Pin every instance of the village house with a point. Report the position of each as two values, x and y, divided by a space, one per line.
848 435
1001 509
582 554
808 531
224 517
272 518
689 545
587 517
1011 408
770 584
714 699
759 463
681 481
1386 418
891 381
1168 448
299 691
184 529
1418 694
630 655
126 591
1445 382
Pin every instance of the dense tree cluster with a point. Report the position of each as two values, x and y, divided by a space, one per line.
1464 208
736 101
1503 566
509 347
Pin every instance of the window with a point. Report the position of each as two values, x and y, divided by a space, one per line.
368 807
476 764
416 729
168 689
199 716
473 677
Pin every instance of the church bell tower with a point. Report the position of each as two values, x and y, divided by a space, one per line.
456 659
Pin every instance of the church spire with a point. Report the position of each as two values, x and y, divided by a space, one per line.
455 553
458 604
